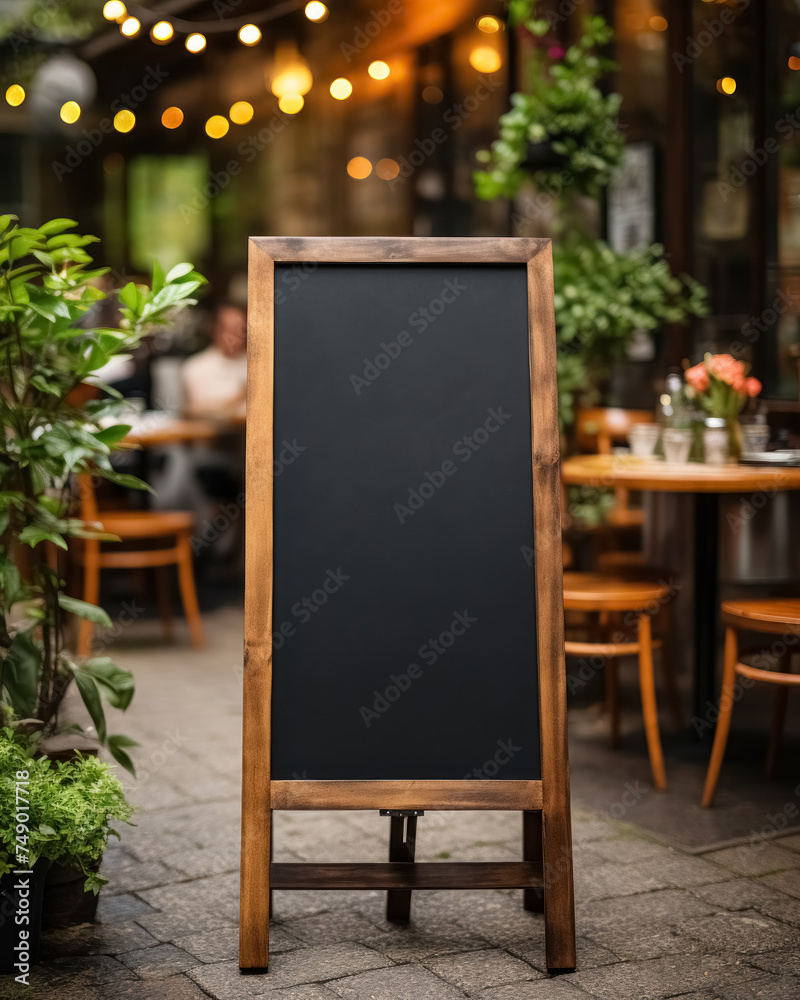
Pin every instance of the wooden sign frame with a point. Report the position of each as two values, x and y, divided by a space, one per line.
547 842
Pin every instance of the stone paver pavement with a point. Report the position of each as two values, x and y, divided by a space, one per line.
652 922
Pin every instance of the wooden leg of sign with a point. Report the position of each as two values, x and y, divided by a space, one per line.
271 852
402 847
533 898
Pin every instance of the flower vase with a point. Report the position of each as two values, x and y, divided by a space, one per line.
734 439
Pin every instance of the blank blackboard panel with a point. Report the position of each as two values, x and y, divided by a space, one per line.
358 595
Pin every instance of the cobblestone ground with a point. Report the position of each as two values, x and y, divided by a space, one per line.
652 922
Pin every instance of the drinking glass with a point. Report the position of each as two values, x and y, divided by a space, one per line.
643 439
677 444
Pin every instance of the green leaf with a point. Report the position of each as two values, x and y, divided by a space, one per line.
127 480
116 685
91 699
158 277
33 535
109 436
84 610
115 745
21 674
55 226
179 271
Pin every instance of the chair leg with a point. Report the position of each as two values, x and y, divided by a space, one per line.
188 592
91 593
164 602
647 687
778 719
667 663
724 719
612 698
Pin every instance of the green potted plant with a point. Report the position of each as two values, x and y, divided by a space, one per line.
48 347
602 297
50 812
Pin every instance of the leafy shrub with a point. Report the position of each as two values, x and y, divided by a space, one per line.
70 809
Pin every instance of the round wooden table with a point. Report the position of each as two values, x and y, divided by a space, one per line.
705 482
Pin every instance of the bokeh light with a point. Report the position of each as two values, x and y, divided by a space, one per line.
432 95
130 26
241 112
290 104
196 42
249 34
70 112
316 11
485 59
658 23
726 85
124 120
341 88
162 32
378 70
172 118
387 169
114 10
15 95
359 167
489 24
217 126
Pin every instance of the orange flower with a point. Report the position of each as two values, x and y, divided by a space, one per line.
697 377
752 386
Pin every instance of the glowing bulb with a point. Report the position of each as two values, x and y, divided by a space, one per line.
316 11
794 62
249 34
114 10
196 42
291 74
488 24
172 118
341 88
378 70
241 112
162 32
130 26
658 23
15 95
359 168
485 59
70 112
217 126
387 169
124 121
290 104
726 85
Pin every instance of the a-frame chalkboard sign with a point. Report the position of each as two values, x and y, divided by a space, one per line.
403 614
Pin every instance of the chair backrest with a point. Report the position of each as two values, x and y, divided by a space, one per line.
87 498
598 429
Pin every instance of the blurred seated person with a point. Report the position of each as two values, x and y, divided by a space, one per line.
215 379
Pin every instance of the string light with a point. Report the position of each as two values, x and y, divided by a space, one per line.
114 10
341 88
124 120
249 34
130 26
196 42
241 112
172 118
70 112
217 126
794 62
162 32
15 95
488 24
378 70
290 104
291 74
316 11
485 59
726 85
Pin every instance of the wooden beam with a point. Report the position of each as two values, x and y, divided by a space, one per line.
406 875
445 795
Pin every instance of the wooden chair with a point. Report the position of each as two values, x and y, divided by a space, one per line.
779 616
138 526
593 592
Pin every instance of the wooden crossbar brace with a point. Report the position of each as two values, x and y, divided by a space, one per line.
407 875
